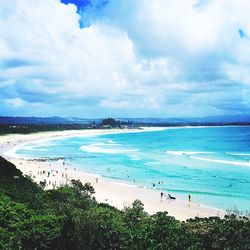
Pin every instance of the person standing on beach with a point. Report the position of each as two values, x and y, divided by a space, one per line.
189 199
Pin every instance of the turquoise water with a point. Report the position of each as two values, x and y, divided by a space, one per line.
212 164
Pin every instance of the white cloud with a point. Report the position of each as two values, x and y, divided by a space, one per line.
62 59
15 102
158 55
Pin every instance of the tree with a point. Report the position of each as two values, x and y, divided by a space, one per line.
40 232
101 227
110 122
86 189
135 213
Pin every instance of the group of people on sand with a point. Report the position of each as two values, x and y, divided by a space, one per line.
47 174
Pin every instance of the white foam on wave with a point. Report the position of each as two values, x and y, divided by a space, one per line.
38 144
112 142
186 152
93 148
29 146
238 154
14 155
105 144
237 163
11 153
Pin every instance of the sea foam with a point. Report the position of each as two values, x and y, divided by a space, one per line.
238 163
95 148
238 154
186 152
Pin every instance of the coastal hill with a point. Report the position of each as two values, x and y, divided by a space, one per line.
236 119
70 218
23 125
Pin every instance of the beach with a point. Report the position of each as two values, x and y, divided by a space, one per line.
116 193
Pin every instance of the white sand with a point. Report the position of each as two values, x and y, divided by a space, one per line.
108 191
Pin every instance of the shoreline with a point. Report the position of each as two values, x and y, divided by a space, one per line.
114 192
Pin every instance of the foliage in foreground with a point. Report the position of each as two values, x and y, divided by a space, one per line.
70 218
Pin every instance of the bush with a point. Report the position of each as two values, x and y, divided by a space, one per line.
70 218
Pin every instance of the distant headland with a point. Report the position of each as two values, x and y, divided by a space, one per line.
13 124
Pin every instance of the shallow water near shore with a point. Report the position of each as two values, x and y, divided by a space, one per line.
210 163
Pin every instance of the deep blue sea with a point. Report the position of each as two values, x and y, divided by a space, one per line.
210 163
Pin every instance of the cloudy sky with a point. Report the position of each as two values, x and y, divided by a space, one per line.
124 58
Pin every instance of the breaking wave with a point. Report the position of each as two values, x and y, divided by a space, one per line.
186 152
239 163
108 149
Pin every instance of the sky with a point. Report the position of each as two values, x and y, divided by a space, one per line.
125 58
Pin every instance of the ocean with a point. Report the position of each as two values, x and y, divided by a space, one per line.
212 164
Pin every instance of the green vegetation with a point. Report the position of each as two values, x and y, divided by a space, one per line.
24 128
70 218
110 122
33 128
113 123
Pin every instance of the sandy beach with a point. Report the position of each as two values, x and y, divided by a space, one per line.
56 172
